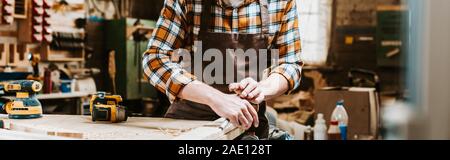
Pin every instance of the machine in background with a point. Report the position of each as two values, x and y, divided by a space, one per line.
128 39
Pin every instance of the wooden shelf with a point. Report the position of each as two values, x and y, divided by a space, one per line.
62 95
64 60
50 55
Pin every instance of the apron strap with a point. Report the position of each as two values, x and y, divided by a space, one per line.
206 16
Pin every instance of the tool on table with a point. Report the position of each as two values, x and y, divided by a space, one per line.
224 125
20 98
105 107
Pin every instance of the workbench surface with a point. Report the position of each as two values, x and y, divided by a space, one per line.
136 128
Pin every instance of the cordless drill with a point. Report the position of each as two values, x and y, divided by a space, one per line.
105 107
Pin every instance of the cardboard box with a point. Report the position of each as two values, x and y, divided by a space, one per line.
362 105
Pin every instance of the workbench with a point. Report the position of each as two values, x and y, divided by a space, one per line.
136 128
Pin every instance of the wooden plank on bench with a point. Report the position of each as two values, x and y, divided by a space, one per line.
136 128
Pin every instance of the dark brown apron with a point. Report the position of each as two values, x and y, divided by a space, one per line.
184 109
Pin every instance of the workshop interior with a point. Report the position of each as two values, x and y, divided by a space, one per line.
373 70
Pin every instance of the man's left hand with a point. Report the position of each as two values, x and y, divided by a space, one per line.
248 89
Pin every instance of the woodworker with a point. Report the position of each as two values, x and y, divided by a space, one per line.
223 25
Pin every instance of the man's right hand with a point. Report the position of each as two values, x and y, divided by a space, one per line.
239 111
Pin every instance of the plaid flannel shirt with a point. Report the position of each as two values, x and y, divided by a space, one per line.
181 19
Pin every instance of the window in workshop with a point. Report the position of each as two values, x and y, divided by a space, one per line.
315 29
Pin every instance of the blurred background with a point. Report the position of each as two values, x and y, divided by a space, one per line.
387 59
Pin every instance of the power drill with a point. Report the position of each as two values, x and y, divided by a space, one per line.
19 99
105 107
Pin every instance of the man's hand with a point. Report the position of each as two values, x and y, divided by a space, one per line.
248 89
239 111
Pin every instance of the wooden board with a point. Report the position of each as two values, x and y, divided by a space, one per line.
17 135
136 128
212 132
62 95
